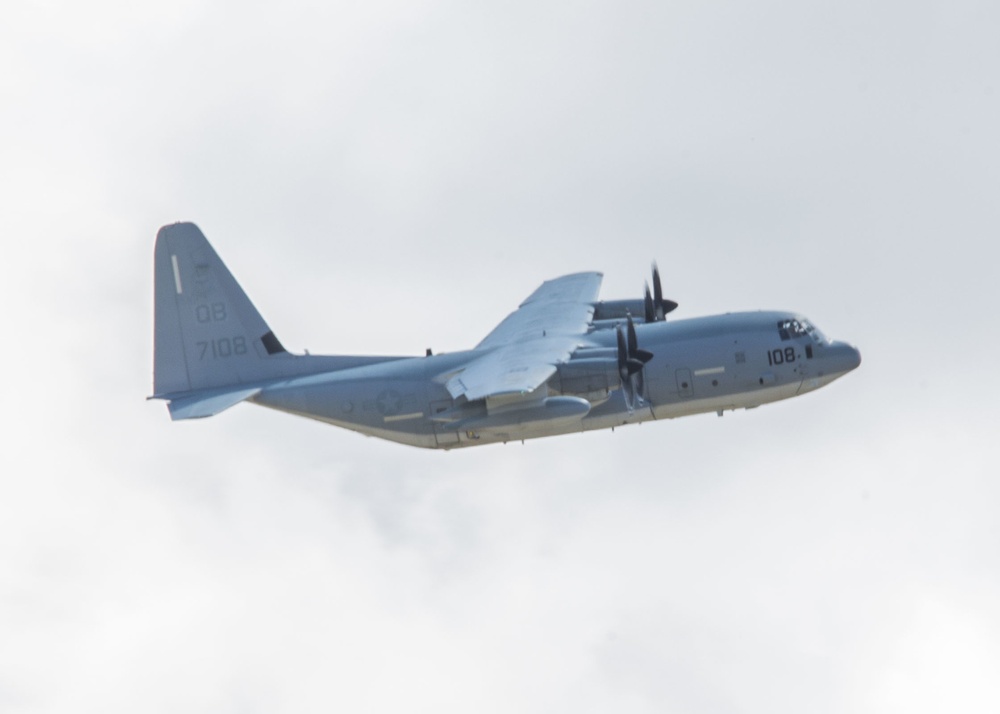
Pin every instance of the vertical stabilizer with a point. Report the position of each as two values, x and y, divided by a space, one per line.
208 334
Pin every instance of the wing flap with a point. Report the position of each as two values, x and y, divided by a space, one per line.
514 369
522 352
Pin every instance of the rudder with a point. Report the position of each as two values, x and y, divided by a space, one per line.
207 333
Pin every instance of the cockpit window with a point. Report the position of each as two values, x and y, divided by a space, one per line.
794 328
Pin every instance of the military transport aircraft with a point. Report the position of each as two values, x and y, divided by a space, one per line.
563 362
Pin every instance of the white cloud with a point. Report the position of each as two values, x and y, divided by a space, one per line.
397 176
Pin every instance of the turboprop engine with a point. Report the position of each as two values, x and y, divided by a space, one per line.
593 378
594 374
653 307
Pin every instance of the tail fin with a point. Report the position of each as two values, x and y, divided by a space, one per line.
208 335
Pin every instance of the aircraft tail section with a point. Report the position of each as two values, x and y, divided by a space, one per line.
208 336
206 403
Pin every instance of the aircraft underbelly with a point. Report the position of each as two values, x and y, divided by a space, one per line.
389 409
737 400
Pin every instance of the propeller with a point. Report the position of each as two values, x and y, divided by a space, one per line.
634 352
631 361
656 307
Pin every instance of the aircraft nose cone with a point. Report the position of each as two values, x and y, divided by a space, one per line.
844 357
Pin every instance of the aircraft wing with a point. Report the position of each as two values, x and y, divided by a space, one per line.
522 352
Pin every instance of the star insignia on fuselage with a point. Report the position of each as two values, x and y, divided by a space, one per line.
388 402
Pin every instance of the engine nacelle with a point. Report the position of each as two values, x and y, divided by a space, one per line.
619 310
592 379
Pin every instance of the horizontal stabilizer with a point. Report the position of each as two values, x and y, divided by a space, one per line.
208 402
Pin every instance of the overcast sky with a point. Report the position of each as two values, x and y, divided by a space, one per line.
393 176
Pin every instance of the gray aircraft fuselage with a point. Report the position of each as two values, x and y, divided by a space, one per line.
706 364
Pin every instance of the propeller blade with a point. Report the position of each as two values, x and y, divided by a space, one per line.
627 364
661 306
634 352
657 291
648 307
628 367
643 356
622 354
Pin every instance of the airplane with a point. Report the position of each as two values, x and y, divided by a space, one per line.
563 362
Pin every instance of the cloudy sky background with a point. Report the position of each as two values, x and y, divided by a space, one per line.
394 176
